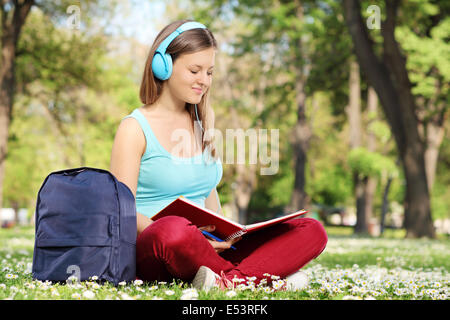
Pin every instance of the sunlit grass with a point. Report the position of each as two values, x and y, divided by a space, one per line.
349 268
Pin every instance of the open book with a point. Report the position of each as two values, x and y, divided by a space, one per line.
225 228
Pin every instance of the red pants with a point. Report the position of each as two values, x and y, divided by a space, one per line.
172 247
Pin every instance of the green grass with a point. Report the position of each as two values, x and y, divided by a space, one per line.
350 268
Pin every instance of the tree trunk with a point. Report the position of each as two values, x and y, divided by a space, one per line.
354 106
434 136
361 226
385 205
369 193
300 144
4 127
354 119
245 179
245 184
390 80
301 134
371 184
6 99
12 21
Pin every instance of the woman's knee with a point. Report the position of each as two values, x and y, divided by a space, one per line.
315 230
318 233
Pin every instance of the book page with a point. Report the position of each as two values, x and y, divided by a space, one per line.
275 220
218 215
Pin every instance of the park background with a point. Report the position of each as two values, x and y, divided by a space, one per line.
71 71
360 105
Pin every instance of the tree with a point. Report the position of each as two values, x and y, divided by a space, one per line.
71 93
15 15
284 25
354 118
287 41
371 183
423 29
302 130
389 77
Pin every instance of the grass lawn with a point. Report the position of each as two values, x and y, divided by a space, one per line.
350 268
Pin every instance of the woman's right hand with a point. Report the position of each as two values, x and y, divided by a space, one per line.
219 246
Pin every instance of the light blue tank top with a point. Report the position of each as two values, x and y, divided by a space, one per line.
164 177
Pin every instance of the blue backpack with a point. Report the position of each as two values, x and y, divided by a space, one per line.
85 227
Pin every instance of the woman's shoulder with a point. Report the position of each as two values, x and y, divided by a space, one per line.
133 121
130 130
130 124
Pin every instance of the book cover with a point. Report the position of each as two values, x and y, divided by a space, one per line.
225 228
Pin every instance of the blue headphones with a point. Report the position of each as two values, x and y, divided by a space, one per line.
162 61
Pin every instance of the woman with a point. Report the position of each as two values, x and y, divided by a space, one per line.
147 157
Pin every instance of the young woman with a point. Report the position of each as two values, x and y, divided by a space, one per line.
148 156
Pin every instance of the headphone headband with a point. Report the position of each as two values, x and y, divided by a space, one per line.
162 61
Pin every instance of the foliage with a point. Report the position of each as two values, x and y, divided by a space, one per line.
73 90
331 186
367 163
424 36
71 98
61 59
440 196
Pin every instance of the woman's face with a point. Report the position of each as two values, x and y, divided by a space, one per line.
192 75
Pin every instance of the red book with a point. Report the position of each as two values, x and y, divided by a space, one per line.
225 228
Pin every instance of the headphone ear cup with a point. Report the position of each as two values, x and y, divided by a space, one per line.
160 66
169 65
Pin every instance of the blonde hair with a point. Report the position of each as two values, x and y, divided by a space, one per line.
189 41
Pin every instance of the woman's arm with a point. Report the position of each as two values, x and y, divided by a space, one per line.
212 202
128 148
142 222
